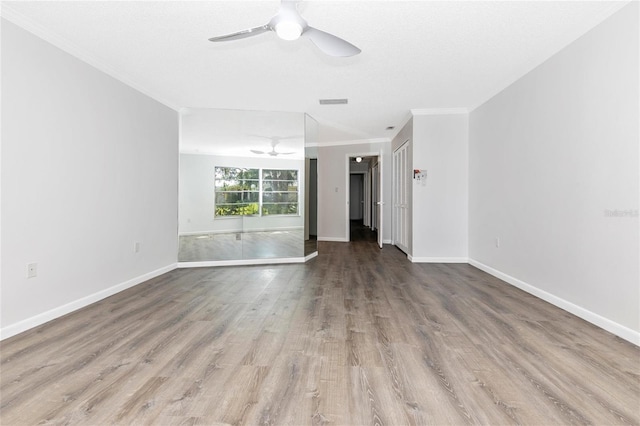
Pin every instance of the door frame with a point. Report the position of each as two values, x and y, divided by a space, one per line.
375 173
347 236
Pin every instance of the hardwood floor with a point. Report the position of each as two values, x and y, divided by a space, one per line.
358 232
356 336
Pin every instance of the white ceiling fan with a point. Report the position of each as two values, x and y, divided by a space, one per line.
288 24
275 140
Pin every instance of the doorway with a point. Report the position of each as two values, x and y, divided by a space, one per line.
360 229
364 198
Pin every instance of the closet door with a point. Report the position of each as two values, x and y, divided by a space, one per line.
401 188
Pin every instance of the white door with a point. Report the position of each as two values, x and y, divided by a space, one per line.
401 188
376 191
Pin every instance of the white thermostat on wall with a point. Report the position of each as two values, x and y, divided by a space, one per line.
420 175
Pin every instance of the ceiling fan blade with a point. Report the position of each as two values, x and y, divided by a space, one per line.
330 44
242 34
257 152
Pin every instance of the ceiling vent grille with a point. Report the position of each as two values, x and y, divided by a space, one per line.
333 101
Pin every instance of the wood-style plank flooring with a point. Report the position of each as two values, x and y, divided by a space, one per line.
358 232
356 336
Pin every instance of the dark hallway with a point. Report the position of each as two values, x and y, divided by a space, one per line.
361 233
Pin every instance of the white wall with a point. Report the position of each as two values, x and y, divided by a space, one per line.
197 195
548 157
440 204
332 181
89 167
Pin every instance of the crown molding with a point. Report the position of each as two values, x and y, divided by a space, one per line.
403 123
72 49
350 142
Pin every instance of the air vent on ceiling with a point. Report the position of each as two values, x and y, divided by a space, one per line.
333 101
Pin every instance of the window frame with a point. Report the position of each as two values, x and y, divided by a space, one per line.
261 212
274 181
242 183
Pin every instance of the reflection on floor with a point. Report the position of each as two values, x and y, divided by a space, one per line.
241 245
360 232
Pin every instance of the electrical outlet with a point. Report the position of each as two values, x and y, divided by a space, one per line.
32 270
497 242
136 247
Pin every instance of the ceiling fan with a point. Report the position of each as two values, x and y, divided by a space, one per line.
275 140
288 24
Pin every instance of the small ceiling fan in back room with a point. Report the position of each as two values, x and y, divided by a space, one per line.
288 24
275 140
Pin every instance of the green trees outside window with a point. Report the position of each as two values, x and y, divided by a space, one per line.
237 191
245 192
279 192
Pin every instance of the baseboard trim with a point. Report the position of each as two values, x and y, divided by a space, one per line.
310 256
242 262
26 324
240 231
333 239
595 319
437 259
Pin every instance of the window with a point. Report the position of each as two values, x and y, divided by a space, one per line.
237 191
264 192
279 192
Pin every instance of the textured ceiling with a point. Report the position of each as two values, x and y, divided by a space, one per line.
415 54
